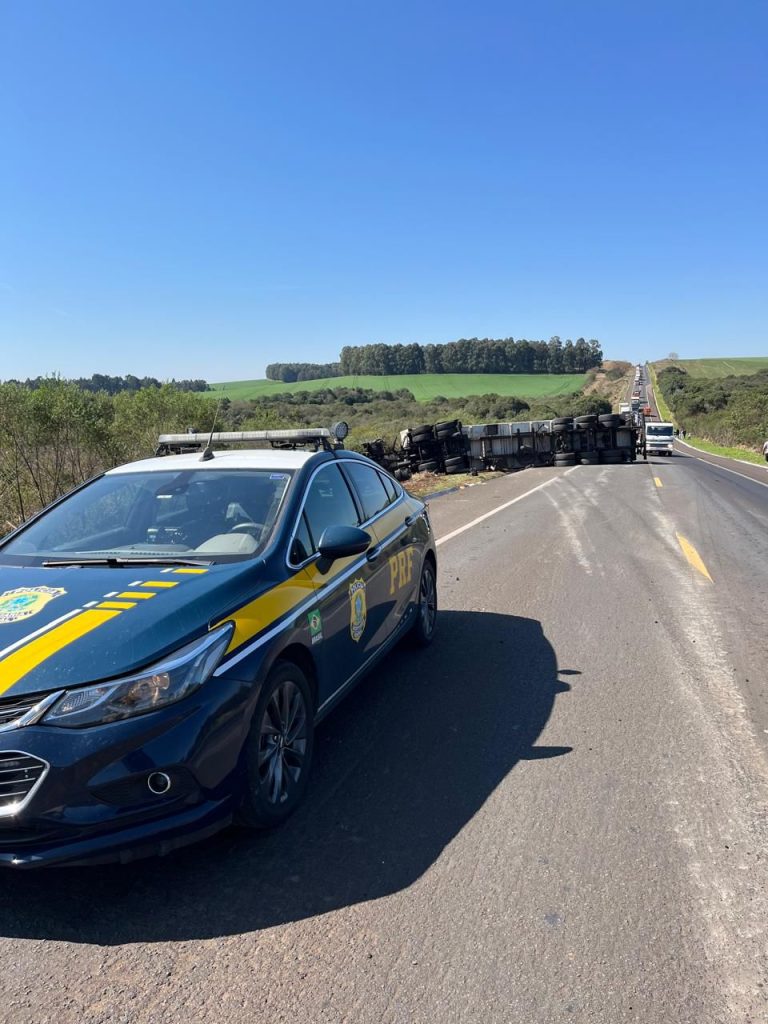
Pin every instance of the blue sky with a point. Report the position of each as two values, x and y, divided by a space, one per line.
196 189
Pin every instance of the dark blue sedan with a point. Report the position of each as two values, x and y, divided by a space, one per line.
172 632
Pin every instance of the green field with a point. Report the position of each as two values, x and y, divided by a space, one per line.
713 368
422 385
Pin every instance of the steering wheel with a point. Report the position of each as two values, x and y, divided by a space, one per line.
254 529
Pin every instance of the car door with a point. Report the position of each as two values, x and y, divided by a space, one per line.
340 627
397 564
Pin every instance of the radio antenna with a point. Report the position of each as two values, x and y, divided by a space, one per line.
208 450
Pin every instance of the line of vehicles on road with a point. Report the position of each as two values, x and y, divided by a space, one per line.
656 437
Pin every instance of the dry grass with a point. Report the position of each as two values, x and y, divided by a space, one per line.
423 484
612 380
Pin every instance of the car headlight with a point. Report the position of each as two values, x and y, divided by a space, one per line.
164 683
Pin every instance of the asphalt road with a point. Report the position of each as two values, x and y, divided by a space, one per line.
557 813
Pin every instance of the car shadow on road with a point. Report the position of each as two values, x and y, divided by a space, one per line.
401 767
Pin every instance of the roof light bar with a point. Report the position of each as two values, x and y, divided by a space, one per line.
320 437
193 440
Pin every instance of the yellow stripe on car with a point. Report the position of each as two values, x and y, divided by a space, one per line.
160 583
135 595
16 665
266 609
255 616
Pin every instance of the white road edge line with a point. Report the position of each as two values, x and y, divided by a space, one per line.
727 469
499 508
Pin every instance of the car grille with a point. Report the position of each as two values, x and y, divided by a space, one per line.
12 709
19 774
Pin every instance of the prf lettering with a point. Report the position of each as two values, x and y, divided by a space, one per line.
400 570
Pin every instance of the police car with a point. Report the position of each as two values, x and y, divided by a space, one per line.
172 632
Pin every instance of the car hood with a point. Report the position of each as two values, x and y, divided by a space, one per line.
64 627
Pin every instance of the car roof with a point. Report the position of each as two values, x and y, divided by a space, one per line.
222 460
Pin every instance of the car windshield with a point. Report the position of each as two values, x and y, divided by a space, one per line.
197 515
659 430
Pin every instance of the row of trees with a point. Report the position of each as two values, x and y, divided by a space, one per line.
475 355
469 355
728 410
291 372
102 382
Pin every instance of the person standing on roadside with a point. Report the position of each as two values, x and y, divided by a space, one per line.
765 451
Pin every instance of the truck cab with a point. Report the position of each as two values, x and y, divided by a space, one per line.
659 438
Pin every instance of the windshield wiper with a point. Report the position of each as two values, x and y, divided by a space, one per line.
119 563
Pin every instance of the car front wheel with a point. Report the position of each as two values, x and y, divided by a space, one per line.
279 751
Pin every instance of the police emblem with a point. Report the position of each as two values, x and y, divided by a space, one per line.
358 610
24 602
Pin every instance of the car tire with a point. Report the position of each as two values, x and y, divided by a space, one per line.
589 460
279 748
424 627
565 459
429 467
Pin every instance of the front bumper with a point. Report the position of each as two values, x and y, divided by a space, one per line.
94 804
154 838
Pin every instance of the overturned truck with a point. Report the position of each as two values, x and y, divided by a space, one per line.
566 441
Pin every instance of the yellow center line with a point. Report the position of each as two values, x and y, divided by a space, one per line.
658 482
693 556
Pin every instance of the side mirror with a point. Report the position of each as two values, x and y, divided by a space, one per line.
342 541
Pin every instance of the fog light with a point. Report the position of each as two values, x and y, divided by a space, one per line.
158 783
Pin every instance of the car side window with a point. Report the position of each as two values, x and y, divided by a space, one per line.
302 542
370 488
390 487
328 503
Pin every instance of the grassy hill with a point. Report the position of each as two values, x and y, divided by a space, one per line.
424 386
713 368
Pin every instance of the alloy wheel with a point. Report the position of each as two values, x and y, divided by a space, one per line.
282 742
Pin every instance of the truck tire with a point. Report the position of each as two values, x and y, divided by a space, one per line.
422 438
565 459
429 467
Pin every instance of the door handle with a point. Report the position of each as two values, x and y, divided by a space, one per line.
410 520
374 553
